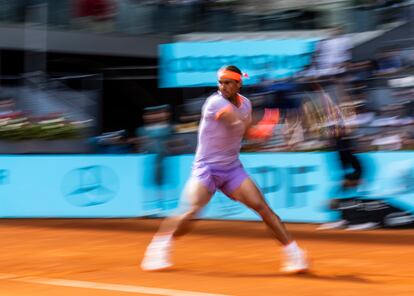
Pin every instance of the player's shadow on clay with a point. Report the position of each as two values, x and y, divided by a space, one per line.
307 276
335 278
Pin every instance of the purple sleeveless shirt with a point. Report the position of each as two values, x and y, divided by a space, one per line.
218 143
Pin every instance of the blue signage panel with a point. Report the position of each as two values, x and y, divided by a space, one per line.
192 64
297 186
393 179
70 186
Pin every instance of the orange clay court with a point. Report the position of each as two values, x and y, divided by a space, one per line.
79 257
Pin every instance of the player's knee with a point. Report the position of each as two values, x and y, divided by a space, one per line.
192 212
259 207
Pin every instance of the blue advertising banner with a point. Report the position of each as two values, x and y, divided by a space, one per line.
298 186
193 64
393 178
70 186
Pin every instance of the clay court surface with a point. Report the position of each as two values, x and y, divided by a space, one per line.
101 257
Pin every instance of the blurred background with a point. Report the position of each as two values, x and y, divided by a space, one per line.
78 76
100 102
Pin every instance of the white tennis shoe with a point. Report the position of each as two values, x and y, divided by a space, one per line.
295 262
157 256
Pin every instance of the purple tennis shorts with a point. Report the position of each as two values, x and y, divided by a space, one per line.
226 179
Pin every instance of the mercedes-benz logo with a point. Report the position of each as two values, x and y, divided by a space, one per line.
90 186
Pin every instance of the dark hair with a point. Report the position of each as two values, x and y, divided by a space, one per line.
233 69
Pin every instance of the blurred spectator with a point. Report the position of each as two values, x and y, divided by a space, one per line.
7 107
360 71
344 144
293 130
139 16
59 13
388 141
29 10
188 123
388 61
112 143
96 15
221 15
185 138
162 16
187 15
332 55
153 137
407 56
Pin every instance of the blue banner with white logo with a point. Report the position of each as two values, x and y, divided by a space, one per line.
297 186
70 186
193 64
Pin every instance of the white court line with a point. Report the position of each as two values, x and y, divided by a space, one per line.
103 286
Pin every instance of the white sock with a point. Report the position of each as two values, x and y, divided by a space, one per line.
291 248
164 239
